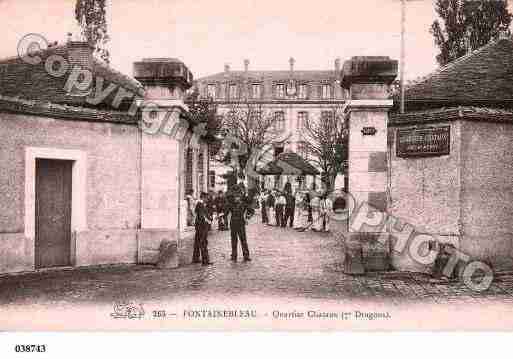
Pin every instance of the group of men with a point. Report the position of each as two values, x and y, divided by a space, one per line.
283 204
233 209
301 211
234 205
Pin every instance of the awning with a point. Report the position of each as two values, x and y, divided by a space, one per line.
288 163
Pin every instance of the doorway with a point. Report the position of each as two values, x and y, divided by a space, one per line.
53 197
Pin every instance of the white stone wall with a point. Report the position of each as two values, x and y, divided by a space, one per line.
112 199
487 192
425 191
160 192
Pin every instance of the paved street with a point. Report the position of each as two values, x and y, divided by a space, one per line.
285 263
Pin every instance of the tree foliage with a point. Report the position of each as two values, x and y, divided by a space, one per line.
465 25
204 111
249 135
326 142
91 16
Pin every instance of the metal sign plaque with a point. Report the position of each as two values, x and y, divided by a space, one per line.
369 131
429 141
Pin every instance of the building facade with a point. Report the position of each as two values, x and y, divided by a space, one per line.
292 96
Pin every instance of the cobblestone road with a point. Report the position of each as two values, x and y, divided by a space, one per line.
285 263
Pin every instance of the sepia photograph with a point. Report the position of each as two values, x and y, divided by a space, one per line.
180 165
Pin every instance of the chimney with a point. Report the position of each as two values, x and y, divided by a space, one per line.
69 37
80 59
337 66
246 65
226 67
80 53
291 62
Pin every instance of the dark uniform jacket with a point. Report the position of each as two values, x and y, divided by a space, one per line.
239 212
220 204
211 207
291 201
270 201
201 215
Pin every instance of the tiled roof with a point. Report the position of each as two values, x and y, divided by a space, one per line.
288 163
21 79
114 76
298 75
451 114
48 109
481 77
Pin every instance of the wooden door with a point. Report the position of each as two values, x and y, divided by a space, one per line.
53 213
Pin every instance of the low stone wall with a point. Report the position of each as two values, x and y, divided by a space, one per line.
105 247
16 253
98 247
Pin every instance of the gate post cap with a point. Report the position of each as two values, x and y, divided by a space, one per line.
368 70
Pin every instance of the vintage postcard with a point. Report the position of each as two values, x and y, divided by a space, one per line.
256 165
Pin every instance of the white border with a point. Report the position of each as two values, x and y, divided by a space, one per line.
78 189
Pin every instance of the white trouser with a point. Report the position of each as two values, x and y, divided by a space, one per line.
317 221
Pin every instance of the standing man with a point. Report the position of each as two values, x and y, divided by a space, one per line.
270 205
201 225
328 209
240 212
280 208
290 208
263 206
317 224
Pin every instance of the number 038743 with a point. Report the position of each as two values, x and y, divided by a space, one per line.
30 348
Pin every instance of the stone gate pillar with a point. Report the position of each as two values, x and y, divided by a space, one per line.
368 80
165 81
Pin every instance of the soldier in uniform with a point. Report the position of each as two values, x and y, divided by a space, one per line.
240 213
290 208
280 210
262 199
270 205
202 223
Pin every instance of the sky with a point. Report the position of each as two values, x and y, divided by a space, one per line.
206 34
